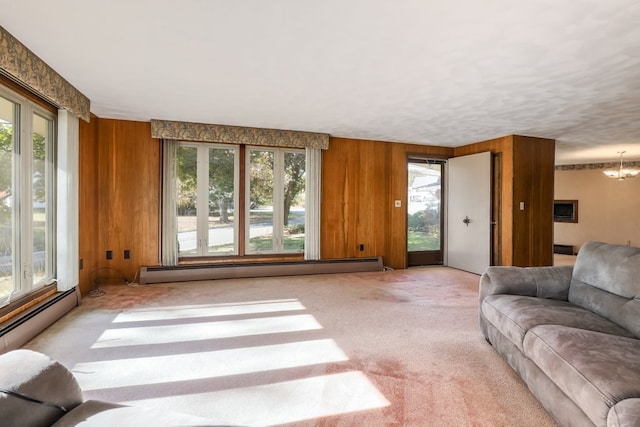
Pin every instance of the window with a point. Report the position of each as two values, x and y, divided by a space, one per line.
207 177
27 199
276 200
211 205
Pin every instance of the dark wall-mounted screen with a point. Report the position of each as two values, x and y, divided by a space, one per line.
565 210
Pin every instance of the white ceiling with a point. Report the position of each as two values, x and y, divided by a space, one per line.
441 72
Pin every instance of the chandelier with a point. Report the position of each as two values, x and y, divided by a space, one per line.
621 172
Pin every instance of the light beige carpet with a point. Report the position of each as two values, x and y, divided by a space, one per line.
392 348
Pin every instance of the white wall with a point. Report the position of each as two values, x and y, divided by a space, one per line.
608 209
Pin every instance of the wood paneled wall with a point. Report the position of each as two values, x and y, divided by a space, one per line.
128 195
119 198
355 191
120 183
533 184
361 179
88 201
527 171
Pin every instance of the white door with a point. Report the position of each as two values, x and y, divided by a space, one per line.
469 212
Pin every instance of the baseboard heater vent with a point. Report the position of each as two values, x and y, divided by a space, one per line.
17 331
242 270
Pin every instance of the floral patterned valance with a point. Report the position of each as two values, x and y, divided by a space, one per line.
186 131
20 64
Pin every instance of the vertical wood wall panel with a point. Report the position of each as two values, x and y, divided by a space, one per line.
534 161
88 201
354 195
129 195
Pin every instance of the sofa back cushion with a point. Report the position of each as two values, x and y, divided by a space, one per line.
28 374
606 280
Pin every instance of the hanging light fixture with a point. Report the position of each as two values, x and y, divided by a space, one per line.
621 172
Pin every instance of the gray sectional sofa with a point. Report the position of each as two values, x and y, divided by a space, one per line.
36 391
572 333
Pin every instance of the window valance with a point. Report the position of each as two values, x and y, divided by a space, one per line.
20 64
186 131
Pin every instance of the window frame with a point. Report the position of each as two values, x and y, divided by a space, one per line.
278 199
241 206
202 180
22 195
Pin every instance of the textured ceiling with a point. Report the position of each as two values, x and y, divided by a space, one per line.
441 72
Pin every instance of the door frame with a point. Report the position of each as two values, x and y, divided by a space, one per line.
429 257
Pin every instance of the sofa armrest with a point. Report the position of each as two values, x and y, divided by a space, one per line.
624 413
35 390
541 282
95 413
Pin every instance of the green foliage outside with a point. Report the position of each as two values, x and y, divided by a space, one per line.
221 181
424 230
39 186
7 161
293 239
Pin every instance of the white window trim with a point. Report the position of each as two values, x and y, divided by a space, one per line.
62 206
278 200
202 232
169 251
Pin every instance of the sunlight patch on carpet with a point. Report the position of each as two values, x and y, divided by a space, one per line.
209 310
211 364
279 403
175 333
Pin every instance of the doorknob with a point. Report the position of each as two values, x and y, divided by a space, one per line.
466 220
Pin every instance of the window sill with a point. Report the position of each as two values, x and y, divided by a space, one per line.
239 259
24 303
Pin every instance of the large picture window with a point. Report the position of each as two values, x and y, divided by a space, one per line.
216 216
27 202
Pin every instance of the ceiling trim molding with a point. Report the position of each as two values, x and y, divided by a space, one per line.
188 131
23 66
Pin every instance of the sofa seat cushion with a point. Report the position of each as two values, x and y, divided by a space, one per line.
595 370
101 414
514 315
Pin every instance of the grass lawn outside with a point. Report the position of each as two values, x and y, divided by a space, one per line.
420 241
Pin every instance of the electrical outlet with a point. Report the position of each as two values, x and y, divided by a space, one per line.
109 254
361 247
127 254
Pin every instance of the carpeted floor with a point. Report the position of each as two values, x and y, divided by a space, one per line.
392 348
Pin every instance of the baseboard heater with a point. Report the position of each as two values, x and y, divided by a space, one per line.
17 331
563 249
242 270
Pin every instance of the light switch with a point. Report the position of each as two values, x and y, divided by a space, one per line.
398 203
521 206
